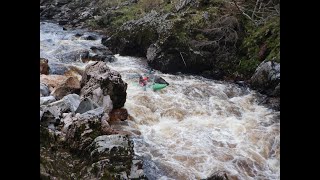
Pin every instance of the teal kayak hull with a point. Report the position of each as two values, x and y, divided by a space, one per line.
157 86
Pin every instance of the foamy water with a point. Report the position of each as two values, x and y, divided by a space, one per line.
192 128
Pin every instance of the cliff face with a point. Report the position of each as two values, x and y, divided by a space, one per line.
218 39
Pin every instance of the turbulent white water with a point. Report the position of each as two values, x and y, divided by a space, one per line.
192 128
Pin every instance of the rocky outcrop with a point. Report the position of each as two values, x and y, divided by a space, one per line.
67 12
134 37
170 48
266 79
99 76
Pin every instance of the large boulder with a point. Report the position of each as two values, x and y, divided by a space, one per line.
52 81
68 86
98 75
266 78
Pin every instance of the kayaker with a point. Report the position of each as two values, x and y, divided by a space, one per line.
143 81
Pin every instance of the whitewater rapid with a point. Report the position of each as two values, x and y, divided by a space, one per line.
190 129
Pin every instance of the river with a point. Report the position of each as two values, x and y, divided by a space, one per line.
190 129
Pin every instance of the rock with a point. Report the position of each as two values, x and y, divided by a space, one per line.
170 48
52 113
44 67
99 54
266 78
118 114
57 68
69 86
101 100
63 22
117 149
44 90
47 100
82 132
52 80
135 37
160 80
54 110
90 37
99 75
86 105
219 175
137 170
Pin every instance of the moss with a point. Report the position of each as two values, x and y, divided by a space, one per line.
260 43
126 13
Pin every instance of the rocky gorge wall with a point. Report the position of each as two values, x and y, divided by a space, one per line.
215 39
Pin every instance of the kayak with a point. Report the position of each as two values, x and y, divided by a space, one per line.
157 86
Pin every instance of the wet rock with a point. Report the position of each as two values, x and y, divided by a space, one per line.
266 78
57 68
101 54
219 175
86 105
44 67
78 35
74 56
160 80
47 100
99 75
44 90
69 86
63 22
137 170
118 114
272 103
90 37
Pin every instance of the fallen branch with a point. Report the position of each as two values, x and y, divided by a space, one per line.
235 3
183 59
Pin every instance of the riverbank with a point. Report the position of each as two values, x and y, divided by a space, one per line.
214 39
